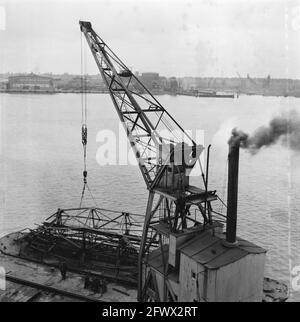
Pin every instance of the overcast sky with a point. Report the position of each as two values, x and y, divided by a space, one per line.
174 38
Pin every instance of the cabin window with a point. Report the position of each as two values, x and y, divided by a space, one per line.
193 275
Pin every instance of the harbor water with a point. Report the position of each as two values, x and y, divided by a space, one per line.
42 163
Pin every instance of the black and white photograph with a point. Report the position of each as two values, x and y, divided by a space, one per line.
149 153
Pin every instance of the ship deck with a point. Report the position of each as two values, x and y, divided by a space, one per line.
31 281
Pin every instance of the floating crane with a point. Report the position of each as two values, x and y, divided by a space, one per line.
179 254
166 154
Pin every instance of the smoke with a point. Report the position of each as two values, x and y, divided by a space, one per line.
284 129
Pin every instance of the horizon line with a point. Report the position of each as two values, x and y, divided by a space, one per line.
160 75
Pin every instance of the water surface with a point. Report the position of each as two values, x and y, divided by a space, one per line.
41 162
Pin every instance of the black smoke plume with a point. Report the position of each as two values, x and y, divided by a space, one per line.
284 129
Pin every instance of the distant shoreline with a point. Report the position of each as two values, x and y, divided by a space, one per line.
157 84
236 95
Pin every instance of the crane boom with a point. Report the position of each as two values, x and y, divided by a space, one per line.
152 131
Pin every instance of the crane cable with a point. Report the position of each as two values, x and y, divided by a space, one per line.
84 132
83 121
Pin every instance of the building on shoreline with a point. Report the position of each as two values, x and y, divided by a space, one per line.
156 83
30 83
3 85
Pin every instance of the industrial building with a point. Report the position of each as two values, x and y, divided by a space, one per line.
3 85
30 82
150 80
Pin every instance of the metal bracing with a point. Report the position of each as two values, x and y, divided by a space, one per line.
178 217
90 227
143 117
89 237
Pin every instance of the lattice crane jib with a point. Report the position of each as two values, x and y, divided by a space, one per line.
154 135
165 152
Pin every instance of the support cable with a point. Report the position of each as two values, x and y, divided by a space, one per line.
83 120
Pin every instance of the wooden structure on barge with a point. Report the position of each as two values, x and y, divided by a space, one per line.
90 239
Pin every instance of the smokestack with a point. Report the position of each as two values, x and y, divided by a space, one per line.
232 190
